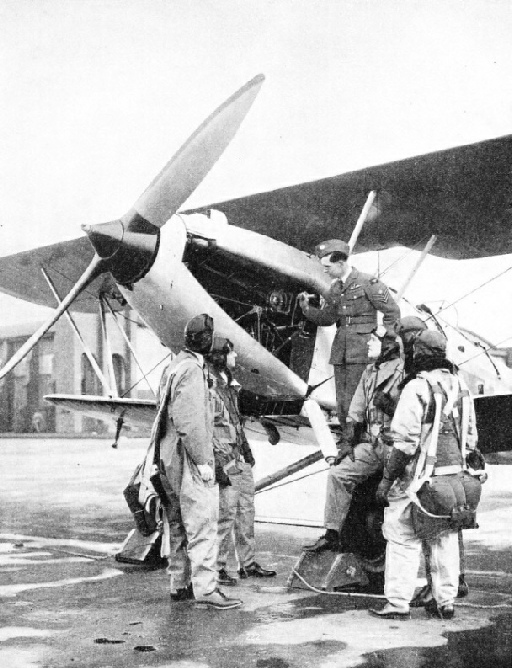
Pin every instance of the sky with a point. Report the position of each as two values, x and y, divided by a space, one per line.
99 94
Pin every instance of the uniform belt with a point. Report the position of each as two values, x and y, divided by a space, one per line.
448 470
347 320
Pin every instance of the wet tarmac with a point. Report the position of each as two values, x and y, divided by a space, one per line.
67 602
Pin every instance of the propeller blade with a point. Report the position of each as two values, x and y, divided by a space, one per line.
93 270
188 167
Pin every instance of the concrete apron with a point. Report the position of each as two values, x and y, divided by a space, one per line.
66 602
72 605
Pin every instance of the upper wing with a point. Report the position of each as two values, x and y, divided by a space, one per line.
463 195
64 262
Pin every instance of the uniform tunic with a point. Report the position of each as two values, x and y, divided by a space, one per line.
185 436
412 434
353 307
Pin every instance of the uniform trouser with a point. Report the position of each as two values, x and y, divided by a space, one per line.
403 555
236 513
346 378
343 478
193 516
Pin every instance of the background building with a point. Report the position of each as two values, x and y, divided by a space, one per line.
59 365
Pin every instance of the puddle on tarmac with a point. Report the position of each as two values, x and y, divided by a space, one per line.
10 591
37 558
8 632
488 647
29 542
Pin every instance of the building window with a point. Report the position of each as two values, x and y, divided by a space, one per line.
89 382
119 373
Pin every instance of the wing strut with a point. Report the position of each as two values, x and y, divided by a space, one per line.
130 347
92 271
362 219
97 370
289 470
418 264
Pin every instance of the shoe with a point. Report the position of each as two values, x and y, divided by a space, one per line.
184 594
225 578
329 541
254 570
389 612
444 612
447 612
463 589
422 597
219 600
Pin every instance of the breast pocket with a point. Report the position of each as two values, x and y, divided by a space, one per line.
357 303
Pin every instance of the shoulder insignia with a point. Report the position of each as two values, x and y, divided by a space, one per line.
374 280
381 294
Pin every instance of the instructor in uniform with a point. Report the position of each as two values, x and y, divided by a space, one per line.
352 303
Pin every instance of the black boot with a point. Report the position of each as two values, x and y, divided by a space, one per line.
254 570
463 589
442 612
329 541
225 578
184 594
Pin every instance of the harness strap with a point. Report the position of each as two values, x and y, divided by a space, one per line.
431 454
425 467
154 440
465 401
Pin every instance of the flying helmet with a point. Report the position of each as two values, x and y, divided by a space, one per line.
199 333
430 343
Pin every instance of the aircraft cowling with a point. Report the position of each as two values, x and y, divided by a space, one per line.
168 295
259 249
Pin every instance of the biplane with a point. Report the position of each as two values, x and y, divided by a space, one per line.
245 262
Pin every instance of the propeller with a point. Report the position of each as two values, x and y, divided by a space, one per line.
126 247
173 185
188 167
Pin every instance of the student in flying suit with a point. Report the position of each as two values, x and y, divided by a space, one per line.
409 329
184 435
364 442
352 304
234 462
413 431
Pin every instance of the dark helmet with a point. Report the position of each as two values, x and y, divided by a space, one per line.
409 324
199 333
430 343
